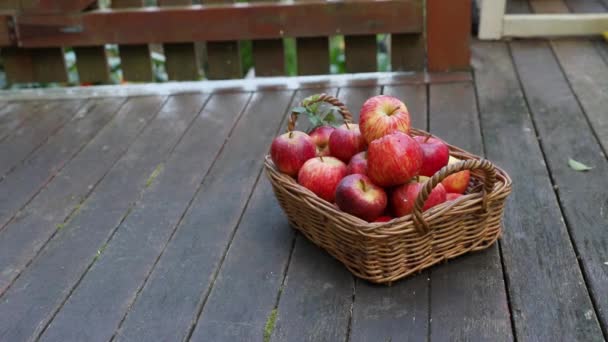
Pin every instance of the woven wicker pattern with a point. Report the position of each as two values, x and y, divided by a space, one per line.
386 252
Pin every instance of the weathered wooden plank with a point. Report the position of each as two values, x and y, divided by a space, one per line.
566 134
109 288
14 114
222 23
248 283
588 75
171 300
32 300
468 296
223 58
92 61
28 178
92 64
47 213
546 289
312 55
585 6
316 301
135 60
399 312
47 120
602 47
360 53
181 59
448 34
408 52
34 65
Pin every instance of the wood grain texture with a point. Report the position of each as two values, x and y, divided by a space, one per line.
109 288
47 120
92 64
312 55
360 53
562 126
537 252
181 58
135 60
268 58
15 114
49 279
248 283
468 296
22 239
28 178
43 65
448 34
170 302
92 61
224 60
399 312
408 52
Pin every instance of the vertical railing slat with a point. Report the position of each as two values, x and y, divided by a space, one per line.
223 58
360 53
268 56
92 62
407 52
180 58
313 55
448 25
135 60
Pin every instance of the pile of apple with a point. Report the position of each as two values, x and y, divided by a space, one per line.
373 170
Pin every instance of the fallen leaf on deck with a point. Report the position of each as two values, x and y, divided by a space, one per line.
578 166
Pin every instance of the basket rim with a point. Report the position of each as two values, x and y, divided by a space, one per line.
399 225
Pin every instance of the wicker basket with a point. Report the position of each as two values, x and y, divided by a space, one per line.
386 252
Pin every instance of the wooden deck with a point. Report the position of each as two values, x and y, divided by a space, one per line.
148 218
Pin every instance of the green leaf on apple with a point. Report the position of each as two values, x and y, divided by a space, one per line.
299 110
578 166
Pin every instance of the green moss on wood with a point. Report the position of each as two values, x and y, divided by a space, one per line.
269 327
154 174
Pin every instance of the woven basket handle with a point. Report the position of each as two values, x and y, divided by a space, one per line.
346 115
471 164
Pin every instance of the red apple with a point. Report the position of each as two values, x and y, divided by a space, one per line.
393 159
450 196
457 182
435 154
404 197
382 115
291 150
320 136
321 175
358 196
357 164
346 141
383 219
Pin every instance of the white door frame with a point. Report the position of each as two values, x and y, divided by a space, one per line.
495 24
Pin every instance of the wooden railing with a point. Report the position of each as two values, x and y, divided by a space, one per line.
431 34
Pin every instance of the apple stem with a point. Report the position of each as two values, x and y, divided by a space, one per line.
321 157
428 136
290 134
394 110
362 185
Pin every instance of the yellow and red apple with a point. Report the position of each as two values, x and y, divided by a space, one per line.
357 164
457 182
381 115
435 154
403 198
